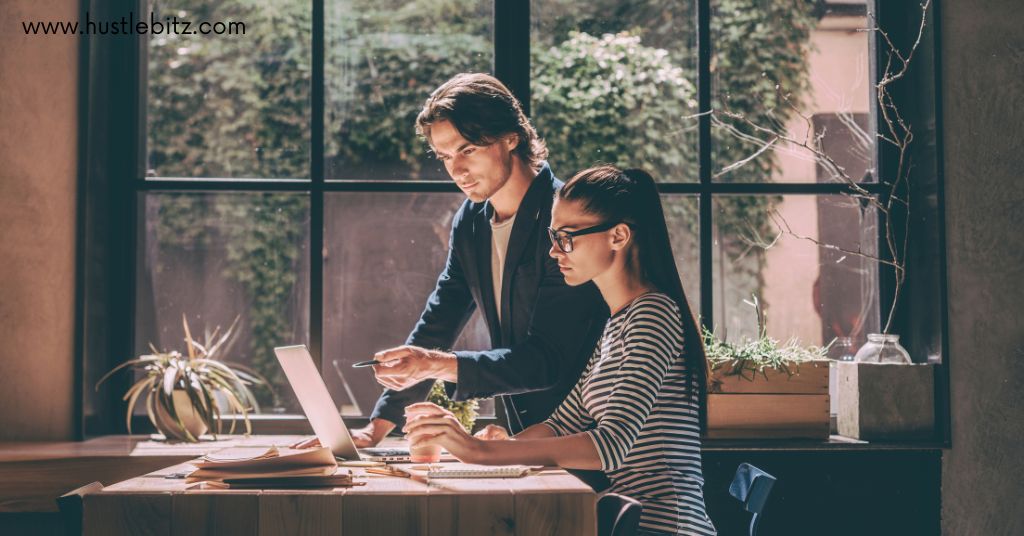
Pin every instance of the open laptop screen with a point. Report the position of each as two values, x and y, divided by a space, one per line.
316 401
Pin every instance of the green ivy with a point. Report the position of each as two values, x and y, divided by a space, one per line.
465 411
611 99
760 55
238 106
374 96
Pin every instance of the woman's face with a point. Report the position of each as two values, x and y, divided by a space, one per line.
592 254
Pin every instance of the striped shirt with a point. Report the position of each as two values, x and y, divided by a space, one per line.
633 402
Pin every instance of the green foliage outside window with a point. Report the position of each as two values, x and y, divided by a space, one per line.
376 85
238 106
611 99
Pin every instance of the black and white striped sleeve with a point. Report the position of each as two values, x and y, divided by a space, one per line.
571 417
652 338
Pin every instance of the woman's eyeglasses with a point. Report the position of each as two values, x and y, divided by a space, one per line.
563 238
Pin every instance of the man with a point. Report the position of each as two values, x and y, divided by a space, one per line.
542 330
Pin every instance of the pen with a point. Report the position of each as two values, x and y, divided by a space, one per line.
369 363
388 471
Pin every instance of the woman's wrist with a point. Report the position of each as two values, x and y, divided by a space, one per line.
483 450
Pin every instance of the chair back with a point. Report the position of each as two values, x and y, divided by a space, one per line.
751 486
618 515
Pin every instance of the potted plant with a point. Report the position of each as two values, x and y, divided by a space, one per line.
763 388
464 411
185 395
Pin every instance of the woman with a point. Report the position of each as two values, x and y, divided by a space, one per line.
636 412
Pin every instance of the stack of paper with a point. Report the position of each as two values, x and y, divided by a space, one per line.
270 467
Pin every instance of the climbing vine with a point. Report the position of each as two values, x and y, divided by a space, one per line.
612 82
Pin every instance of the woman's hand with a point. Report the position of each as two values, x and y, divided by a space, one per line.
492 432
430 424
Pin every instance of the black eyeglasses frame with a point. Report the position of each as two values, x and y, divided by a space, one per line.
557 235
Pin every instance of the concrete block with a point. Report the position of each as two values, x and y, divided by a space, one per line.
886 401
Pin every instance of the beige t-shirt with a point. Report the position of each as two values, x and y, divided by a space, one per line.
500 234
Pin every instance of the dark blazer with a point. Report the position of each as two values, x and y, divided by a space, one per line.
549 329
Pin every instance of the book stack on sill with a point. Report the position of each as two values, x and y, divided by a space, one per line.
270 467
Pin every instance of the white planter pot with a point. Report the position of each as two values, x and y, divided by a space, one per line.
186 412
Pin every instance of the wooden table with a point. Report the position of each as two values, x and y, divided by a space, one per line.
817 482
34 473
552 502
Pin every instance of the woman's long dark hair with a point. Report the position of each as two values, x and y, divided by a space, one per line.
631 196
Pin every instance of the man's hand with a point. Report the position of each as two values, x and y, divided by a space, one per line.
406 366
492 432
367 436
371 434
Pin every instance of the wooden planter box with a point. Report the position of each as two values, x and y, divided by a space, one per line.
780 406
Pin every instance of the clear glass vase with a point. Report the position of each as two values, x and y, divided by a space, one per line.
841 349
882 348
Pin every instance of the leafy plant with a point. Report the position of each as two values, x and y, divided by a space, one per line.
751 357
612 99
201 374
464 411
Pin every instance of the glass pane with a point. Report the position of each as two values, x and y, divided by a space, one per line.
383 58
215 257
382 257
774 247
234 105
614 82
683 219
801 71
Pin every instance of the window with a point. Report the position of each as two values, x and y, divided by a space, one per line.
211 257
283 182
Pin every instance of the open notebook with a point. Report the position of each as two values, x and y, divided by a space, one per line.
263 463
465 470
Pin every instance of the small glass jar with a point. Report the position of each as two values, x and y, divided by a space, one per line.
883 348
841 349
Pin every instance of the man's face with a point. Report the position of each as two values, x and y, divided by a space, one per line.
479 171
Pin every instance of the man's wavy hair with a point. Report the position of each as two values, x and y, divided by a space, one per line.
483 110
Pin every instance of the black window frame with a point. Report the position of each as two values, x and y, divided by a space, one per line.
114 79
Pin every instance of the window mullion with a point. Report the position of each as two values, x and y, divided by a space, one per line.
512 48
316 176
704 158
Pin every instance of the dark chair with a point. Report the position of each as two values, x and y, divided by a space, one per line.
70 506
751 486
617 515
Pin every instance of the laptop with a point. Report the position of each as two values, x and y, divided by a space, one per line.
319 408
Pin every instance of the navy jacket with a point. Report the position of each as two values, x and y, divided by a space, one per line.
549 329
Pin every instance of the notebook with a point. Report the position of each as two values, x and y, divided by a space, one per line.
215 474
465 470
263 462
289 482
241 454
